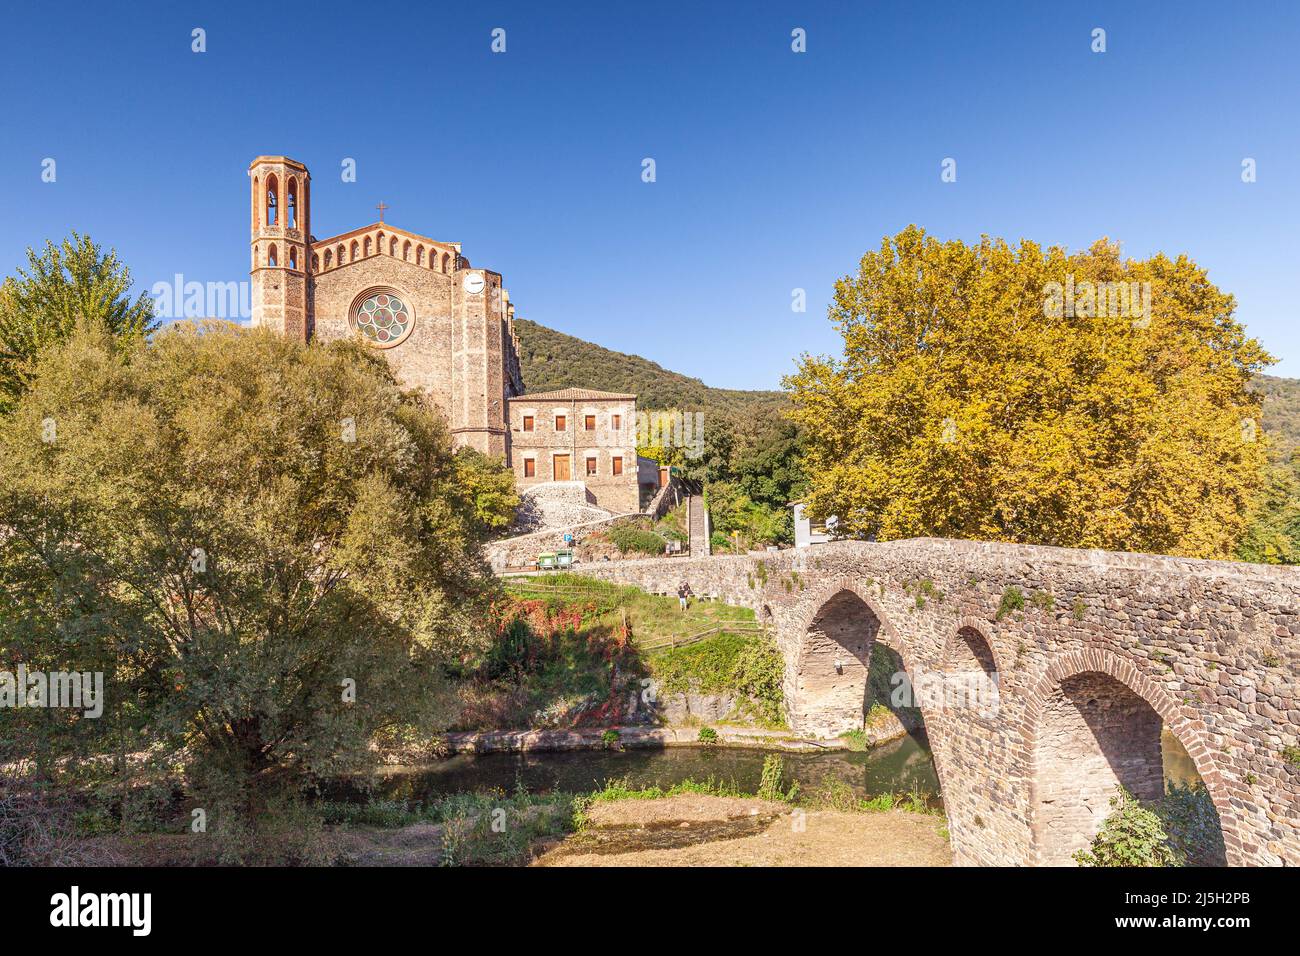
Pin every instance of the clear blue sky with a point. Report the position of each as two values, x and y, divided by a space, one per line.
775 170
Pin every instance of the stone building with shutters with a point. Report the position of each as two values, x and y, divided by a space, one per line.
582 436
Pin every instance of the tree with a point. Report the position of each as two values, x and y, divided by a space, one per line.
490 485
71 284
976 398
1273 533
266 547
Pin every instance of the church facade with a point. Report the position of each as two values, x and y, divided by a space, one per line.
445 327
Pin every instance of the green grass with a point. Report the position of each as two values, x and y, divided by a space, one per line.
622 789
748 664
654 618
856 739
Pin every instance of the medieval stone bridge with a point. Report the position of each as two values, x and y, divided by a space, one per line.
1105 651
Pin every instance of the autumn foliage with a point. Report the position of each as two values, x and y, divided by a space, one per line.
977 399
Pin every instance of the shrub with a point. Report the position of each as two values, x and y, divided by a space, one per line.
1012 600
1131 836
707 735
609 738
629 538
1192 822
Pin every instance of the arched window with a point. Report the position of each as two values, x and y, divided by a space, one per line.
392 247
419 255
293 258
327 259
292 199
445 260
355 249
257 193
339 257
406 251
272 201
367 245
270 256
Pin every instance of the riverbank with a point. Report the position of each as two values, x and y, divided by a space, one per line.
700 830
605 738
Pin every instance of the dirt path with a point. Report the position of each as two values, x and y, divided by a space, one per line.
690 830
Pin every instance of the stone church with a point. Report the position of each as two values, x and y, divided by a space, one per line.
445 327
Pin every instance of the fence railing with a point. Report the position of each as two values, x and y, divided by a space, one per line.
672 643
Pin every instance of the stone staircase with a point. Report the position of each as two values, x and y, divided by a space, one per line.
697 519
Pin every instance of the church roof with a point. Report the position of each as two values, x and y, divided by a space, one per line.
573 395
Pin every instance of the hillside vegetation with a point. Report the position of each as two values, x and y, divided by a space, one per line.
1281 412
552 360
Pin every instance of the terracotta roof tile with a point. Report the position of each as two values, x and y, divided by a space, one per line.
573 394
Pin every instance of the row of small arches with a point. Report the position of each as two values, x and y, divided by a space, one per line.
360 249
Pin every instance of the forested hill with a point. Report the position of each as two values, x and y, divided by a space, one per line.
552 360
1281 408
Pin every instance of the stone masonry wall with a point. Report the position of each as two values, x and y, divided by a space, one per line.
618 494
1212 648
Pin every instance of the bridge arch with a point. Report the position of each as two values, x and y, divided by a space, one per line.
970 644
1091 722
835 637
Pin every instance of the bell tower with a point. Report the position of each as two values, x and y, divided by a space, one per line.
281 264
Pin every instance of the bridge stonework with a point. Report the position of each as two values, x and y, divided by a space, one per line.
1106 649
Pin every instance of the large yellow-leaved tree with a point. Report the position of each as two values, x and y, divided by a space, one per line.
1033 395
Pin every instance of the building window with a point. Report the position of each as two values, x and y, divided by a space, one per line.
591 467
530 467
616 422
528 423
589 423
382 318
616 465
561 423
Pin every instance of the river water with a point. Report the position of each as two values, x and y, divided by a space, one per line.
900 766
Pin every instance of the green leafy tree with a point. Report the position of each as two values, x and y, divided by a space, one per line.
490 485
970 403
1273 534
266 546
72 284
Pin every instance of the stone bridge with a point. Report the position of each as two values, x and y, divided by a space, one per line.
1086 656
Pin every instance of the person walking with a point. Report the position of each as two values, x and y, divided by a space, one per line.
683 592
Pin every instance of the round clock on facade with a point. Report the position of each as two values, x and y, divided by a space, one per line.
473 283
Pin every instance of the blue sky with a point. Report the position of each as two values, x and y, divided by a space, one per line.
775 170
